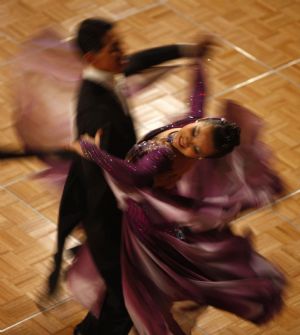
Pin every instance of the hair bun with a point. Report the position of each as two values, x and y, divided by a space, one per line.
232 136
226 136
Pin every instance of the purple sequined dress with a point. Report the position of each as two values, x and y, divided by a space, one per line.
177 245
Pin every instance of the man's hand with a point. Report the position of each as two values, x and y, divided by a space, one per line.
205 46
75 146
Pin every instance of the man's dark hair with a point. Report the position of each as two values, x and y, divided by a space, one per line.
226 136
90 34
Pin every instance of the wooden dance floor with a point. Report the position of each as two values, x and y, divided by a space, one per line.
257 64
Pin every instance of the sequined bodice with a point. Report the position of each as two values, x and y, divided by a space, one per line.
178 164
143 148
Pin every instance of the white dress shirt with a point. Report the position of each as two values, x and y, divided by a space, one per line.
113 82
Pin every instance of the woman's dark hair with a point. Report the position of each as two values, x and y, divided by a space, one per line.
90 34
225 137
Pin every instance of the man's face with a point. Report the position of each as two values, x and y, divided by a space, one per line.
110 57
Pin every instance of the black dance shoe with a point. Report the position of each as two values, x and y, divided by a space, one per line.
77 331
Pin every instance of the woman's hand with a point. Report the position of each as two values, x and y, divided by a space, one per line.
75 146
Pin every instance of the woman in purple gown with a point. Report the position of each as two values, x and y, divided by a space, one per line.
177 244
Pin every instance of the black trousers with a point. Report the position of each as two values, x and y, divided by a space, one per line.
103 230
114 318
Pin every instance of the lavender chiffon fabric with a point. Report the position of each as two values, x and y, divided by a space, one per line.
92 292
48 74
177 244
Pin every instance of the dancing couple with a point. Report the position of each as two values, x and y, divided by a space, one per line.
157 213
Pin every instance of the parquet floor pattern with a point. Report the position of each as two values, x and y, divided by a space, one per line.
257 64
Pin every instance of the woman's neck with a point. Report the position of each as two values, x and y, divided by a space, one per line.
171 136
168 136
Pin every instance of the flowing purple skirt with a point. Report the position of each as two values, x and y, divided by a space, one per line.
163 264
215 268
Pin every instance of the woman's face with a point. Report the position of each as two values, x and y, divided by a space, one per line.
195 140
